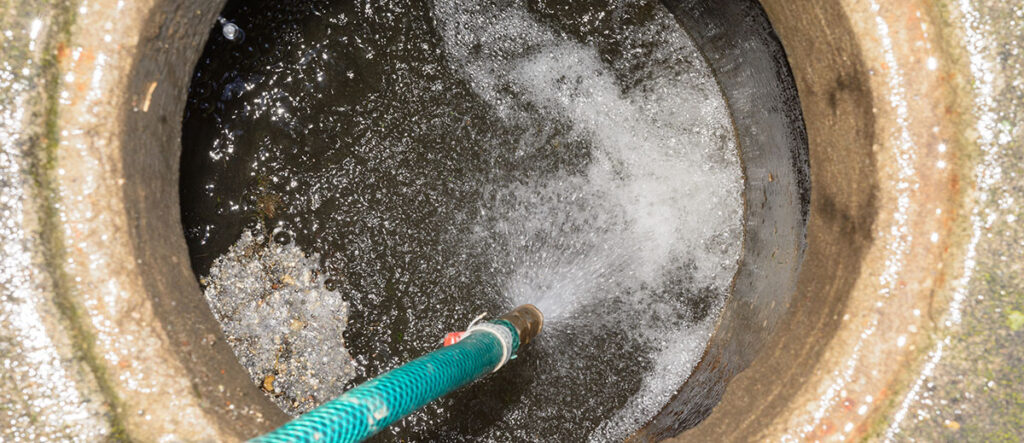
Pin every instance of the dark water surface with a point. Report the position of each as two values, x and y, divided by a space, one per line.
586 166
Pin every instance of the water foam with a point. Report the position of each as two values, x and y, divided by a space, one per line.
656 214
278 316
466 157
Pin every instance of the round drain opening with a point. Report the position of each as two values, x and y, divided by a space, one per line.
397 170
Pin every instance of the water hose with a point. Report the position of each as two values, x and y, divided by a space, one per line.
366 409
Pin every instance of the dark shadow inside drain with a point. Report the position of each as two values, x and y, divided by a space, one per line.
427 163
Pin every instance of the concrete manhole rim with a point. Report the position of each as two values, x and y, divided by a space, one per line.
114 268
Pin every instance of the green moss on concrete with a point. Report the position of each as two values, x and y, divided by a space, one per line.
42 171
1015 320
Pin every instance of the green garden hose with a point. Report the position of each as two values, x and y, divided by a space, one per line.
372 406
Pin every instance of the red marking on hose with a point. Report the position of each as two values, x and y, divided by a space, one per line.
453 337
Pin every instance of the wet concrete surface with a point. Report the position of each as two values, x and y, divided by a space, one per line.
83 356
45 390
970 387
939 76
59 381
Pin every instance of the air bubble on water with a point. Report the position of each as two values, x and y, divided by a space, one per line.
230 30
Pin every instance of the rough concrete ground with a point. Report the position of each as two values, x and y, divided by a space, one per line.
972 393
45 393
975 391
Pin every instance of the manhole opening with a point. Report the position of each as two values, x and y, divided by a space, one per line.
358 180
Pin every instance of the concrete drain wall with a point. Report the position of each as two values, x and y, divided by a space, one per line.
98 255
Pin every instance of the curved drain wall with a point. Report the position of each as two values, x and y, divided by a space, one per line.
874 112
751 67
836 100
839 117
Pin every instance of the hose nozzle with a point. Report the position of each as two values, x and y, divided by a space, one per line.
528 321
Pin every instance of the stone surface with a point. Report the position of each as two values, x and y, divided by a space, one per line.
83 355
46 389
943 115
969 388
86 353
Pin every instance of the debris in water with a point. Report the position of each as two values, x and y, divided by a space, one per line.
454 157
284 326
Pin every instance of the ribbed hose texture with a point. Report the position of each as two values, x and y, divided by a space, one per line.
372 406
